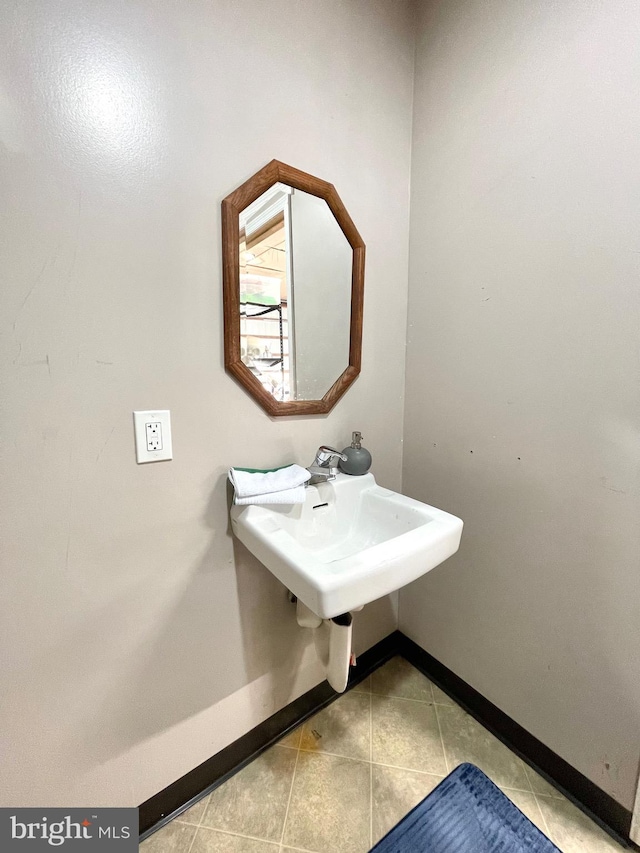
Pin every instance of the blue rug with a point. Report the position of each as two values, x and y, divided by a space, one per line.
466 813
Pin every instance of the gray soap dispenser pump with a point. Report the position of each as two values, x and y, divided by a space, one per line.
358 459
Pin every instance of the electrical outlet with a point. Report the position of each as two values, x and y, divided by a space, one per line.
153 436
153 432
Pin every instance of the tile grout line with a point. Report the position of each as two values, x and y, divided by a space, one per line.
383 764
444 751
195 834
370 769
526 776
410 770
311 751
546 830
431 701
293 779
536 800
240 835
511 788
544 817
298 850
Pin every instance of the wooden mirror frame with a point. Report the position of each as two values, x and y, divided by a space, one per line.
232 206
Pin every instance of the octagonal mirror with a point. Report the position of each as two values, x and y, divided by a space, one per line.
293 282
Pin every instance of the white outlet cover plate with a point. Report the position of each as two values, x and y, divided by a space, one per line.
140 421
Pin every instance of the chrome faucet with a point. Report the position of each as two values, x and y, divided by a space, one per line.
321 469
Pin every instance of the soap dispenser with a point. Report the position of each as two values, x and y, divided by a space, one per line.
358 459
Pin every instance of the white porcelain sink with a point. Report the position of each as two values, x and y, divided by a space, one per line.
349 543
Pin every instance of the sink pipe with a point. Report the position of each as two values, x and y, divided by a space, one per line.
332 639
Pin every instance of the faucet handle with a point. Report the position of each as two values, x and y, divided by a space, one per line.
325 454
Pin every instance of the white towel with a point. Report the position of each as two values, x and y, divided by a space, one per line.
286 485
286 496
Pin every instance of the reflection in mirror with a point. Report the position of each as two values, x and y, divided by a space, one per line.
265 290
295 283
293 265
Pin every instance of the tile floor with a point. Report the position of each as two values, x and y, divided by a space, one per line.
340 781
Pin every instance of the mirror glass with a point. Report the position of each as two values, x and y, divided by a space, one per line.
295 293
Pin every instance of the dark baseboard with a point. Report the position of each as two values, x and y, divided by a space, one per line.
160 809
599 805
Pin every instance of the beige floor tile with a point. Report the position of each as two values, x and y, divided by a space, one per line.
211 841
398 678
406 734
540 785
342 728
363 687
401 719
394 793
466 740
528 805
292 740
572 830
254 801
194 814
330 805
173 838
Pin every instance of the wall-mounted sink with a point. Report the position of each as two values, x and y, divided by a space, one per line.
351 542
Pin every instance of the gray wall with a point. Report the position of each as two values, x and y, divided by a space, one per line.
523 404
136 639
